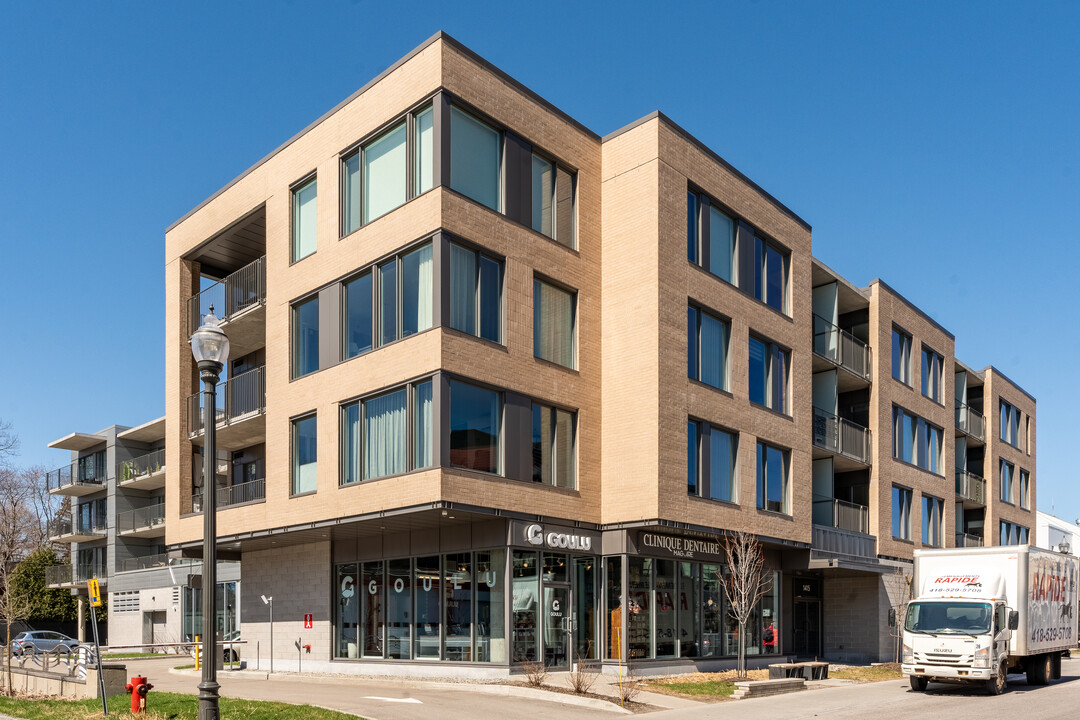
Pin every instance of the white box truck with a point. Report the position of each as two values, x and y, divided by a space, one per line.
981 613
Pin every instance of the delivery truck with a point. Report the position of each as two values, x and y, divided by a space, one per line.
981 613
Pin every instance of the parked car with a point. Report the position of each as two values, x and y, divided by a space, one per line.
42 641
229 655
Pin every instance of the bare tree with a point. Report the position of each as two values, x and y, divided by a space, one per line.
18 534
9 442
745 583
44 507
15 606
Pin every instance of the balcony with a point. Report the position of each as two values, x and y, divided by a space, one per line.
75 480
240 405
242 494
142 473
68 575
841 437
970 488
239 301
963 540
78 530
842 349
842 515
836 541
144 522
970 422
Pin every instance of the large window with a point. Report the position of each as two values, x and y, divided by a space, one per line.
475 159
303 220
1010 423
932 513
1024 488
707 347
771 270
553 323
474 427
769 374
901 356
475 293
305 337
711 454
391 301
1006 471
304 455
772 479
375 176
378 431
901 513
553 440
359 315
931 374
917 441
710 237
1013 534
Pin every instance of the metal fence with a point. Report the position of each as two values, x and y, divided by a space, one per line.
970 487
141 466
841 436
236 398
243 289
970 421
841 347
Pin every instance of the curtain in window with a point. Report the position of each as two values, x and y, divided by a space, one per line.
304 202
388 302
543 191
425 144
564 208
353 440
417 298
304 456
713 351
553 324
474 158
721 465
423 430
564 449
352 192
721 244
385 435
778 371
385 161
462 289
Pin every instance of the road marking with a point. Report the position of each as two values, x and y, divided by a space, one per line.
386 699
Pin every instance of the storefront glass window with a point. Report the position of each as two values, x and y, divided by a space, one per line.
373 600
398 608
586 601
664 602
490 604
348 613
555 568
712 612
639 613
689 609
457 587
770 611
613 623
426 591
526 593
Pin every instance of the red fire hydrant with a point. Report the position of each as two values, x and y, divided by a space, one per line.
138 688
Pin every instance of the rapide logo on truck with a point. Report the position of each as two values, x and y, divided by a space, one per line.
1049 587
953 584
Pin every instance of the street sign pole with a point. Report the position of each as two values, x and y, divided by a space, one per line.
94 592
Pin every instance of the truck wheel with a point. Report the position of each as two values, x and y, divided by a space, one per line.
996 685
1043 669
918 684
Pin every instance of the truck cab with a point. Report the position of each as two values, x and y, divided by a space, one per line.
957 639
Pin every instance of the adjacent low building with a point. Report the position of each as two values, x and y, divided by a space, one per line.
500 386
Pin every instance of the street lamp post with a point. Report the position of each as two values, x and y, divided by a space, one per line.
270 601
210 347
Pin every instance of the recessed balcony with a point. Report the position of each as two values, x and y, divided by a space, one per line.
147 522
75 480
240 494
847 440
842 528
965 540
146 472
79 530
239 301
970 422
843 350
240 406
971 489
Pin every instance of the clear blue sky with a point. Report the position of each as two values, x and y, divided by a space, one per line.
932 144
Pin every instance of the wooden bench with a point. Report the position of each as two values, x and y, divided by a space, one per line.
807 670
763 688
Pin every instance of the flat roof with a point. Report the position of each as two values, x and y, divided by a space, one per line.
78 441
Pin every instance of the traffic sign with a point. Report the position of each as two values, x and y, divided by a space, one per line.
94 591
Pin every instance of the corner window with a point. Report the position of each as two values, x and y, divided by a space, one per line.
378 431
423 163
711 454
710 237
769 374
707 347
932 511
772 479
901 513
385 172
1010 423
305 337
1025 490
475 293
931 374
901 356
303 220
390 302
771 270
553 439
553 323
474 427
475 159
1005 473
304 455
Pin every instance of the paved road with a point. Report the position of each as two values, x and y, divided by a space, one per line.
894 700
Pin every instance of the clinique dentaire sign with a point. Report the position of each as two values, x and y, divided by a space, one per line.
688 548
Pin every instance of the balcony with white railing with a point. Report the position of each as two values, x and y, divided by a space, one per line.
970 422
146 472
841 348
145 522
240 494
239 407
239 301
965 540
970 488
841 436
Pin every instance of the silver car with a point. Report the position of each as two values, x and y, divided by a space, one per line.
42 641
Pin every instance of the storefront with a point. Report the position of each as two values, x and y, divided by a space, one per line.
508 592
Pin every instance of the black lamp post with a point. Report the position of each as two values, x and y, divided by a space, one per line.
210 347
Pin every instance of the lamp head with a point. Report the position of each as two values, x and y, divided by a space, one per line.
266 600
210 344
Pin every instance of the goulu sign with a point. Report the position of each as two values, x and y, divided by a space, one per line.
554 537
650 543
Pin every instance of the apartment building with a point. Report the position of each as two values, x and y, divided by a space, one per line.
499 386
115 484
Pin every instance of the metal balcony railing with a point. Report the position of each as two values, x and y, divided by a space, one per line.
970 487
841 347
237 398
144 562
76 474
144 465
141 518
964 540
842 436
94 525
970 421
835 541
842 515
68 574
234 495
243 289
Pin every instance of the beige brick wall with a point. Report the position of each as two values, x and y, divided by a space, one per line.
997 387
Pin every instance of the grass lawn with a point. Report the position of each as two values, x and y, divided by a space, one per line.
873 673
163 706
698 690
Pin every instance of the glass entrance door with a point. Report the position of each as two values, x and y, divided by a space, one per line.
806 627
557 626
